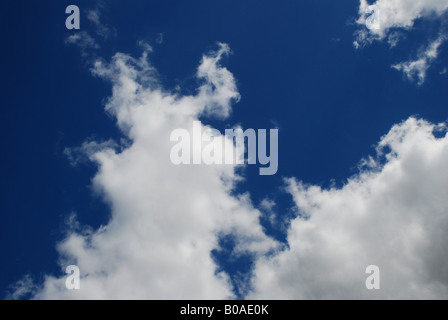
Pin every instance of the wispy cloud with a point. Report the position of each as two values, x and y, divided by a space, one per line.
89 38
83 40
101 28
416 69
391 19
22 288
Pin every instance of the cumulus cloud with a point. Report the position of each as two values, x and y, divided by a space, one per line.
387 19
393 214
416 69
165 219
79 155
394 14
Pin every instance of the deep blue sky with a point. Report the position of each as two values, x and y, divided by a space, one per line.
295 66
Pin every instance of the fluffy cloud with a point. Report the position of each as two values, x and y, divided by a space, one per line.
165 219
397 14
385 20
394 214
416 69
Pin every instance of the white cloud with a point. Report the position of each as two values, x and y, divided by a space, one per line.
21 288
394 216
82 39
400 13
394 38
391 18
165 219
101 29
394 15
78 155
416 69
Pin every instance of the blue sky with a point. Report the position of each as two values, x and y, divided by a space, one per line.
297 68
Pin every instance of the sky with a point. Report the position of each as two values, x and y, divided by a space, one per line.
87 178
